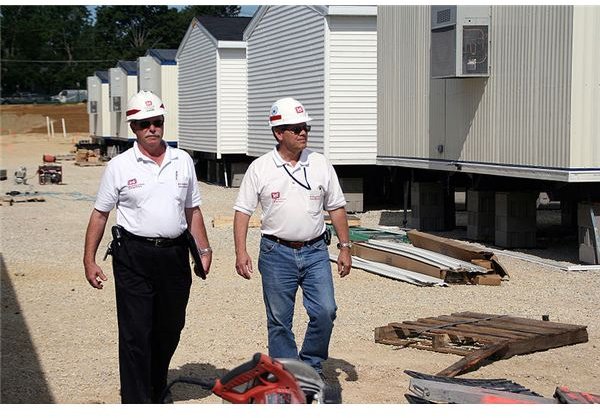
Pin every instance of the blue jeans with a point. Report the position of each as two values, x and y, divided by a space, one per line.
283 270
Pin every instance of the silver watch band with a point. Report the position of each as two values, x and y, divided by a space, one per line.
203 251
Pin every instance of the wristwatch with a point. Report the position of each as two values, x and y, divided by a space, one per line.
203 251
341 245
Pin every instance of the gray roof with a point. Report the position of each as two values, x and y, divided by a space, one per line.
130 67
165 56
102 75
225 28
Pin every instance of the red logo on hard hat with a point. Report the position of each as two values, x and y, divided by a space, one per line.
148 102
299 109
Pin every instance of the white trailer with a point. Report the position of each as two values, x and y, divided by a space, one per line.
98 105
123 85
501 100
326 57
534 115
213 86
157 72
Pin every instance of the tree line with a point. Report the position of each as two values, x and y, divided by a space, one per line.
45 49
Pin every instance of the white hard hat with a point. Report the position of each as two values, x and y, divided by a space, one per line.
143 105
288 111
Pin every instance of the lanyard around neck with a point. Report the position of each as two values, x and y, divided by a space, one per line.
306 186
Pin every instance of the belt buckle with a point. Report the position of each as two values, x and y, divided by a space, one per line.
159 242
296 245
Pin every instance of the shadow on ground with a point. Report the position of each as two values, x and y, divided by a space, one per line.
22 379
334 370
199 371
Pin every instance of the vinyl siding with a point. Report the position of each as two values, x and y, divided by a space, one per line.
535 110
123 86
352 90
403 81
521 114
132 88
169 83
104 124
99 122
285 62
233 101
585 95
198 93
162 81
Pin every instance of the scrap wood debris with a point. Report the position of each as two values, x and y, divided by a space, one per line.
10 198
457 250
392 272
448 260
425 388
479 337
11 201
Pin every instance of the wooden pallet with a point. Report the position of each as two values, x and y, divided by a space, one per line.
89 163
479 337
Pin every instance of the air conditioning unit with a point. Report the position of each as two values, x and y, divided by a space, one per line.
459 41
116 103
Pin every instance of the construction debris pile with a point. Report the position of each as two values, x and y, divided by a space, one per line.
423 259
479 337
427 389
85 157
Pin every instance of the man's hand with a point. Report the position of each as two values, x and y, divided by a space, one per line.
344 262
94 275
206 261
243 265
243 262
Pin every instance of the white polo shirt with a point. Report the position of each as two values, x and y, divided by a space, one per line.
150 199
292 198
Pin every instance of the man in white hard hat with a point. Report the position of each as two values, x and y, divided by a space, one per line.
155 191
293 185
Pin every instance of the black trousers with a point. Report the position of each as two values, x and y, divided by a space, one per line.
152 290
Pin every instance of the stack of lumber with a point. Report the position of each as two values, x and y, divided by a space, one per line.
440 258
85 157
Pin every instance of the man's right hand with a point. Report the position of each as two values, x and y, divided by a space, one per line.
94 275
243 265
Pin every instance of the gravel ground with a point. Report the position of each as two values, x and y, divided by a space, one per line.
59 336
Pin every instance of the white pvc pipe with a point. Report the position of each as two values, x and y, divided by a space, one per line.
52 128
64 128
48 125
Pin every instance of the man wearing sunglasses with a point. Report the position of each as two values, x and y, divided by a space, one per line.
154 188
293 185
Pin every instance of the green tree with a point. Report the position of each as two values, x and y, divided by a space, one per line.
189 12
49 48
40 46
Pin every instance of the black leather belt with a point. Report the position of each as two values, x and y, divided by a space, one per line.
156 242
294 244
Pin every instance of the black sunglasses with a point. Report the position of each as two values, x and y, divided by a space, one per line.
145 124
297 128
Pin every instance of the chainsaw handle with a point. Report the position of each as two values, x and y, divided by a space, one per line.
241 369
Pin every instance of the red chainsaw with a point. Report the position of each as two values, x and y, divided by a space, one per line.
264 380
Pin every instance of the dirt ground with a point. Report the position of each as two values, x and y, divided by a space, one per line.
59 335
22 119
